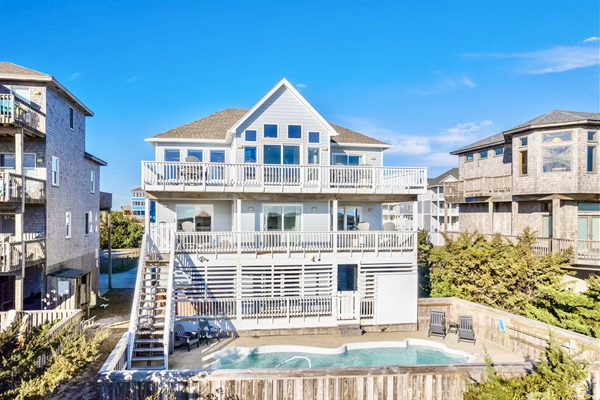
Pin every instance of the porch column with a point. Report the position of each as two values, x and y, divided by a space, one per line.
445 217
556 219
490 218
334 212
238 224
19 223
514 218
146 215
415 215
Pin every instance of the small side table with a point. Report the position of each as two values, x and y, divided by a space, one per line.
452 327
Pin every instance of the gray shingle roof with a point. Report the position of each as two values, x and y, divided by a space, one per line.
494 140
7 68
437 181
348 136
559 116
215 127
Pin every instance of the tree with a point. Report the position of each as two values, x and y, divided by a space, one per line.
21 377
424 247
558 376
510 276
126 231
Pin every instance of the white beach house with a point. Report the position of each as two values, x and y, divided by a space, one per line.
270 218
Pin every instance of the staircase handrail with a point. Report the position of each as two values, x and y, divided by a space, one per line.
170 305
136 300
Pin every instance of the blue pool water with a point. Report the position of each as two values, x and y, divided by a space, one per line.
366 357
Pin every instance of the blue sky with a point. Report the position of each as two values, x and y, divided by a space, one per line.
428 76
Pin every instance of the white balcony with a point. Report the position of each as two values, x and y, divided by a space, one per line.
283 242
257 178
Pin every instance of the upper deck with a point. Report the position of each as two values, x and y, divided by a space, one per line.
160 176
15 112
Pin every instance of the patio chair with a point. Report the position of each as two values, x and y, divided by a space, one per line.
437 324
465 328
184 337
208 332
389 227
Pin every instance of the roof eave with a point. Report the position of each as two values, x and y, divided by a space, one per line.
383 146
184 140
282 83
47 79
95 159
555 125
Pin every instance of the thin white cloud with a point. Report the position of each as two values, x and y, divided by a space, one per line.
464 132
444 83
131 79
555 59
75 75
301 85
440 159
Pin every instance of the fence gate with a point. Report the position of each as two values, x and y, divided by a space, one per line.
347 306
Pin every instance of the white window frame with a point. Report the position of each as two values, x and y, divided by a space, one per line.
92 181
55 168
68 222
282 205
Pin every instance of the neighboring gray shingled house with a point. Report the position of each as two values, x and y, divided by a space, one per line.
543 174
51 242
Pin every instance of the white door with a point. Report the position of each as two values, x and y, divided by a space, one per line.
346 305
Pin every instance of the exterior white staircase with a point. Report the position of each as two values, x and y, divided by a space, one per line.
150 324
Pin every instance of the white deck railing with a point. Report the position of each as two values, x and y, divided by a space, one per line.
272 307
278 242
194 176
18 112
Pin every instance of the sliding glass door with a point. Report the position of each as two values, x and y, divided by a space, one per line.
279 218
274 155
194 218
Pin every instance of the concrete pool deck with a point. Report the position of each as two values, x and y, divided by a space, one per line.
200 358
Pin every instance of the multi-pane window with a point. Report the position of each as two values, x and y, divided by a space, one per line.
270 131
523 162
592 152
250 154
556 152
172 155
68 224
195 153
88 222
346 159
71 117
314 137
250 136
55 171
294 132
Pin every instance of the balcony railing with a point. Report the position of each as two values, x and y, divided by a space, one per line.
455 192
282 242
11 254
14 111
11 188
586 252
216 177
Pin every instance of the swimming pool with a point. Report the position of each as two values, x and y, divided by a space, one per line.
367 354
